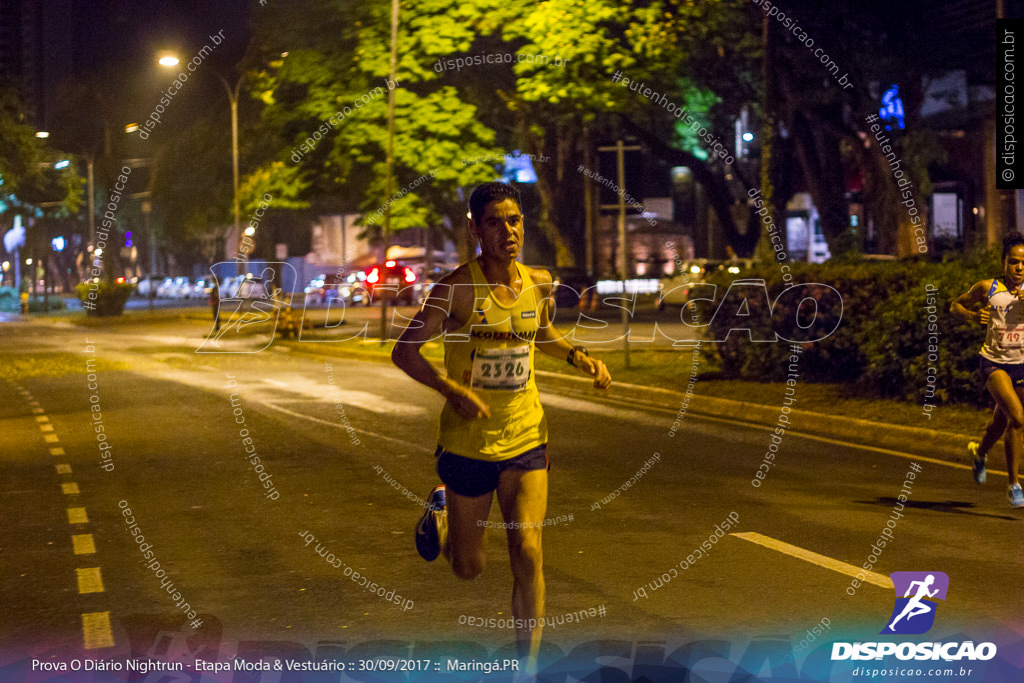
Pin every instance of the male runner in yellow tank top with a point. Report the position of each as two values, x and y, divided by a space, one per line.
492 312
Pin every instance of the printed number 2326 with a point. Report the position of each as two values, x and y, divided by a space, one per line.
497 369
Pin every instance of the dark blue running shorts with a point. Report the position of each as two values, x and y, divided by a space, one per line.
471 478
1016 371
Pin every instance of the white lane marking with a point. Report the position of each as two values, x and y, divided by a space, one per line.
603 410
83 544
57 451
69 488
90 580
814 437
96 630
63 469
336 425
880 580
77 516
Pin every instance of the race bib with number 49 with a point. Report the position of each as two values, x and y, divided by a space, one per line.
504 369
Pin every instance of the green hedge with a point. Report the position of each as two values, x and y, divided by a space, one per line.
880 343
108 298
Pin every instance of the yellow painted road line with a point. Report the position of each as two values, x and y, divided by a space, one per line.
46 427
83 544
873 578
37 411
89 580
96 630
77 516
42 418
63 469
70 488
50 438
57 451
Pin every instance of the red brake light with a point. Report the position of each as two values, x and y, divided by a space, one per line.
120 280
389 264
373 276
410 276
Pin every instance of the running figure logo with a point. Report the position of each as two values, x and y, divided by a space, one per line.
914 612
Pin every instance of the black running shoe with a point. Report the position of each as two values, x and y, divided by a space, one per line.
428 540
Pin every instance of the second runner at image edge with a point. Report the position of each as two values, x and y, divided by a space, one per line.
492 313
1000 307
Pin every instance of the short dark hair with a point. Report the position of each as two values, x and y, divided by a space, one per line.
1012 239
493 192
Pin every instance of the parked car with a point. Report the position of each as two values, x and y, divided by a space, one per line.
249 294
148 284
676 290
201 288
396 279
569 285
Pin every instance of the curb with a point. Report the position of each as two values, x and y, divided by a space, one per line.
928 443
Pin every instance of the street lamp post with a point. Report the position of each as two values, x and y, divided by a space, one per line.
170 61
233 98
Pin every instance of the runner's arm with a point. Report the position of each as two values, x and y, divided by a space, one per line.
551 341
965 306
428 324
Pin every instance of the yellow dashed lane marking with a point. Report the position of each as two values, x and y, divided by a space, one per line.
57 451
50 438
70 488
37 411
46 427
83 544
63 469
77 516
42 418
96 629
89 580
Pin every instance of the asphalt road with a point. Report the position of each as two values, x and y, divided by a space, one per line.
339 439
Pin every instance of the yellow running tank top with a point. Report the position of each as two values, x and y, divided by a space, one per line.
492 353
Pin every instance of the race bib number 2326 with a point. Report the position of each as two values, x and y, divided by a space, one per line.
504 369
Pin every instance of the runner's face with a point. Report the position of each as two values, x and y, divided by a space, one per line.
500 230
1013 266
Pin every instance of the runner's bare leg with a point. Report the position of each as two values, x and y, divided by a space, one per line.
465 545
523 497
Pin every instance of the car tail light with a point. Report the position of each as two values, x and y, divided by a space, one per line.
373 276
410 276
120 280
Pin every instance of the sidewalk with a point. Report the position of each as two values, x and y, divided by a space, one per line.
928 443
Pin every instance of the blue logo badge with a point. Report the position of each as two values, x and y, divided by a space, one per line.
917 594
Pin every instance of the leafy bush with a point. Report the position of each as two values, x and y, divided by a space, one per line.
104 298
881 326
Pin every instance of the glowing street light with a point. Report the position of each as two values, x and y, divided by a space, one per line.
42 134
171 60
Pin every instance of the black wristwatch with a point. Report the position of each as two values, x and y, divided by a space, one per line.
572 354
